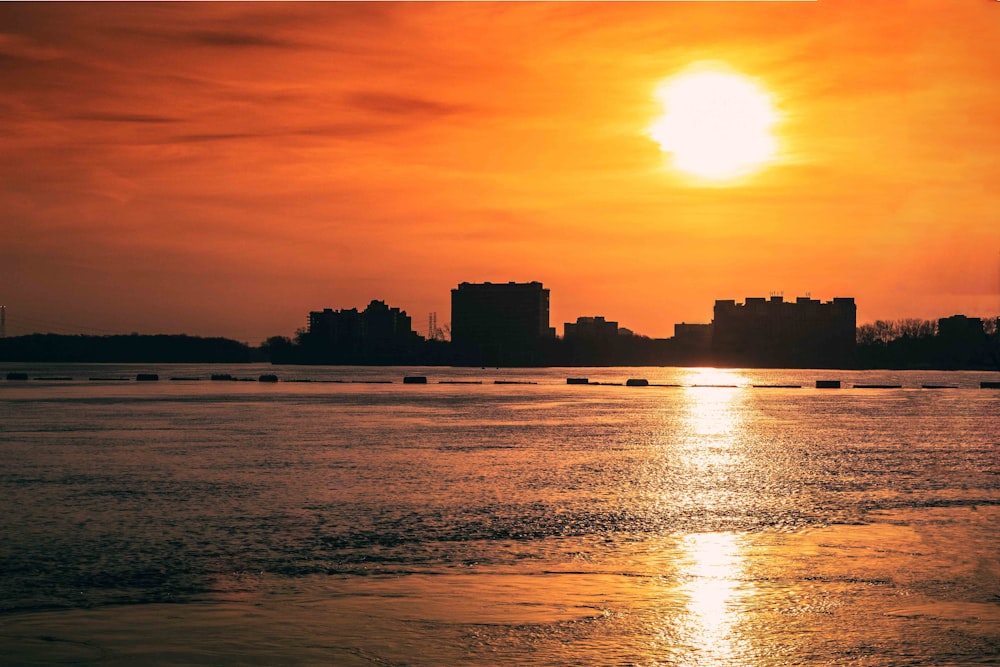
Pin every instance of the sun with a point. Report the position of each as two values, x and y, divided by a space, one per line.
717 124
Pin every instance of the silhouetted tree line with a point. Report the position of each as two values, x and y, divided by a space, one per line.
308 348
883 332
622 350
159 348
966 343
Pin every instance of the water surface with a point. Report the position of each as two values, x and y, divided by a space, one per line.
199 522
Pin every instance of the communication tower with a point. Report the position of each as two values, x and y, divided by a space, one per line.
3 321
432 326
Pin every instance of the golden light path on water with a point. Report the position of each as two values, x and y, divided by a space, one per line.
711 567
711 564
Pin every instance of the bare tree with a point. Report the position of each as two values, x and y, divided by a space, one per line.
916 328
883 332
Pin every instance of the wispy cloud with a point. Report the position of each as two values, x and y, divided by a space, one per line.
216 136
358 130
236 39
117 117
401 105
24 48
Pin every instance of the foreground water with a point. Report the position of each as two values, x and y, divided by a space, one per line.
198 522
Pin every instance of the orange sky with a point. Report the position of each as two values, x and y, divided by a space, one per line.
222 169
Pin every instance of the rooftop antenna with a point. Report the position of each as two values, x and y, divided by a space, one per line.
3 321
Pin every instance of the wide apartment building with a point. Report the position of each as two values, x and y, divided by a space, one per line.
378 333
805 333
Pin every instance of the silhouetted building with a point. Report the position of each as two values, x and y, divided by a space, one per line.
378 334
961 328
590 328
961 342
590 341
383 326
692 343
336 329
776 333
500 324
693 335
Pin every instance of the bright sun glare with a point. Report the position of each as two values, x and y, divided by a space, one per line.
716 124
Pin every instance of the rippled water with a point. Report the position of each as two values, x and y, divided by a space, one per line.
198 522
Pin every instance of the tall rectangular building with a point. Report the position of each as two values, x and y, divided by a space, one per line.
500 324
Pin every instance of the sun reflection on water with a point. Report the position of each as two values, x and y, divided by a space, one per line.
710 423
710 415
710 564
713 377
710 395
711 571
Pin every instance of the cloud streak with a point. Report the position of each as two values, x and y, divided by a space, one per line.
114 117
236 39
392 104
18 47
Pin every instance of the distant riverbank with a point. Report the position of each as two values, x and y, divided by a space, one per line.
903 354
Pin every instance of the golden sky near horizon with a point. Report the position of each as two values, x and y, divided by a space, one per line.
222 169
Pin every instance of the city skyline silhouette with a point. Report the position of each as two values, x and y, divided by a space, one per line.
507 324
